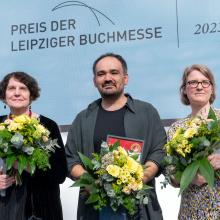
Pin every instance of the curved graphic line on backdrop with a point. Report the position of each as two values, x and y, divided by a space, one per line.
78 3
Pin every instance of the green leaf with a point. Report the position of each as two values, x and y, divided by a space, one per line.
85 180
80 183
168 160
134 156
96 164
86 161
10 161
146 187
215 145
32 168
207 171
115 146
145 200
178 175
5 134
217 174
212 115
22 163
92 198
40 159
188 175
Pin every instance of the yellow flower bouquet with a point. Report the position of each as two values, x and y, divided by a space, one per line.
26 143
189 148
114 179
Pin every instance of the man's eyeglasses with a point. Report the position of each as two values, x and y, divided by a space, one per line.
195 83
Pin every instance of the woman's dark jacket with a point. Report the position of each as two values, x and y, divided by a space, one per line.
39 194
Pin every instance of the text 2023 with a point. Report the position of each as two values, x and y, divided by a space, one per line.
207 28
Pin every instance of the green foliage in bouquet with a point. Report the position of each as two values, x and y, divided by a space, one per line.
25 142
189 148
113 178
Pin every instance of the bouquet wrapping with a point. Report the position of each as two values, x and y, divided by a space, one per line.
189 148
114 179
25 145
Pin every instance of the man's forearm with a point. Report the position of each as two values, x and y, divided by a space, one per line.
150 171
77 171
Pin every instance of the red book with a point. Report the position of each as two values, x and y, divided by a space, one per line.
129 144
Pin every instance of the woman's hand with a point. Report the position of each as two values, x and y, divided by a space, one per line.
214 160
6 181
198 180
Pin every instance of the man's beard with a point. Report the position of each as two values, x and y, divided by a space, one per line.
113 95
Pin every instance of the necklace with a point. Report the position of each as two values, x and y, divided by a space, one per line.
10 116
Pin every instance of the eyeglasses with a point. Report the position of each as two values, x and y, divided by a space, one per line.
195 83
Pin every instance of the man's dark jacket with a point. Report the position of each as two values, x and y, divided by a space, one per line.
141 121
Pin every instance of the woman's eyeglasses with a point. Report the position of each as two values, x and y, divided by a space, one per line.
195 83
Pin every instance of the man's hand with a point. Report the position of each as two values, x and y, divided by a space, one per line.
150 171
77 171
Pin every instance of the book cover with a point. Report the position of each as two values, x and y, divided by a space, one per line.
131 145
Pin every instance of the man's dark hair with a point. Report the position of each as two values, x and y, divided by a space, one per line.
117 56
24 78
